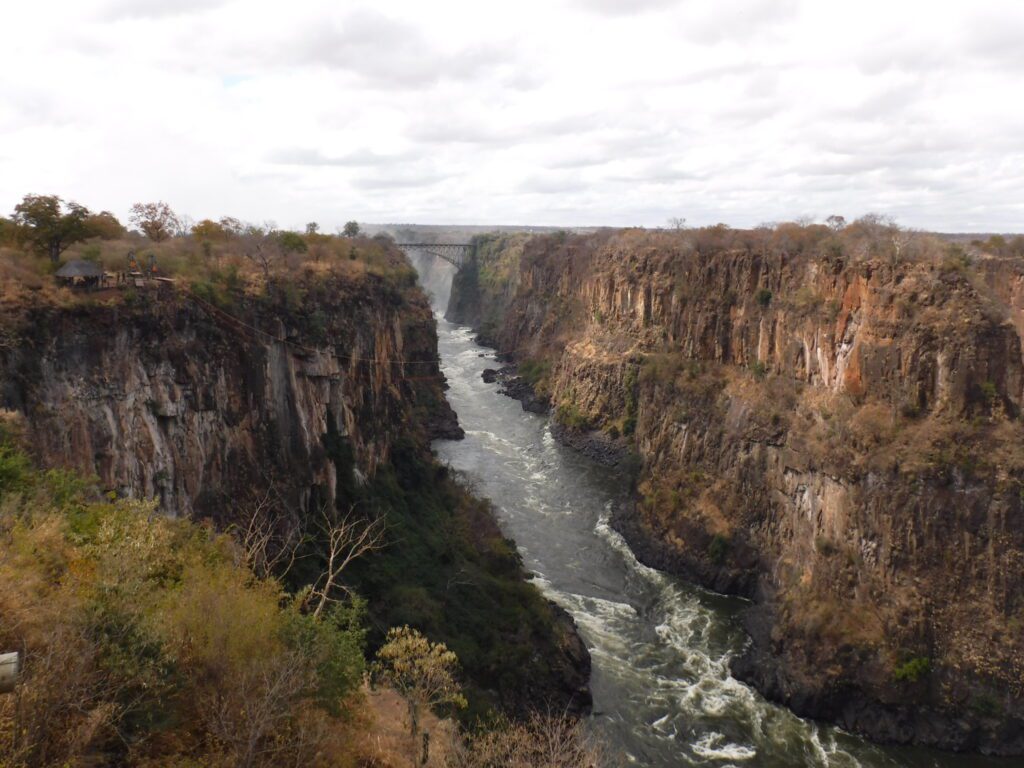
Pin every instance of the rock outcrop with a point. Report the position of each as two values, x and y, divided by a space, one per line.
180 400
832 431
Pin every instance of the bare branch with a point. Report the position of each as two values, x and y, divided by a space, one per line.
347 539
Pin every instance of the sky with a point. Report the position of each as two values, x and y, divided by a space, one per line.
546 112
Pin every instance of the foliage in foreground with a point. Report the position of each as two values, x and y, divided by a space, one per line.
424 675
146 641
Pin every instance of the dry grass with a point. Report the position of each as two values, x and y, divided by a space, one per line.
386 741
26 279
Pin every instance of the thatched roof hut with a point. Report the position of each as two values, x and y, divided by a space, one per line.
79 268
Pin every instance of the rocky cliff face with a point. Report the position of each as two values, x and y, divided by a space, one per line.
322 392
836 437
179 400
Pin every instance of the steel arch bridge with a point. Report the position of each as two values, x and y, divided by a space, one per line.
455 254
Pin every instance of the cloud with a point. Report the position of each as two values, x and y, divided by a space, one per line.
596 111
625 7
314 157
446 128
551 184
411 178
736 20
390 52
156 9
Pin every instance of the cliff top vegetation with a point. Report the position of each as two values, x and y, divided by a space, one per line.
45 231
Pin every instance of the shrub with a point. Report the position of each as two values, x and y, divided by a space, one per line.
763 297
759 370
913 669
571 416
718 548
661 369
989 391
147 642
534 371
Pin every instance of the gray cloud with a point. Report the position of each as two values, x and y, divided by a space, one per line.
411 178
390 52
997 39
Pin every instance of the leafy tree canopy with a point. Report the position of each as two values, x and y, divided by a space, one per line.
49 226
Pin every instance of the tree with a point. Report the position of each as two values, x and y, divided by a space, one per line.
104 225
677 222
347 539
49 225
835 222
156 220
8 231
423 673
996 245
542 741
233 226
351 229
312 228
209 230
290 242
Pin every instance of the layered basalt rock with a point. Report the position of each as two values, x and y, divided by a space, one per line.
835 437
194 405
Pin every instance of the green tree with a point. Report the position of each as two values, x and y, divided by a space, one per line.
8 231
209 230
351 229
104 225
996 244
290 242
49 226
423 673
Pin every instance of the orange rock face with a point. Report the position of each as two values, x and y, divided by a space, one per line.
836 437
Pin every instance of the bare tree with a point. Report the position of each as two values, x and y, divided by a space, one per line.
347 539
542 741
677 222
251 712
271 538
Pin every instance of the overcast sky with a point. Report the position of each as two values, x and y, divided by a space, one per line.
532 111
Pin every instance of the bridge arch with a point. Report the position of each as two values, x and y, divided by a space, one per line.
455 254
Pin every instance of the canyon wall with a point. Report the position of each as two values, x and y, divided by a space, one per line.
319 391
832 431
174 398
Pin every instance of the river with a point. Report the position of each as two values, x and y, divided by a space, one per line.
663 695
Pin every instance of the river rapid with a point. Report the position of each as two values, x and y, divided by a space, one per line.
663 695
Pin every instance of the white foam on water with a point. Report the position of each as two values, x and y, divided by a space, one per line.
711 746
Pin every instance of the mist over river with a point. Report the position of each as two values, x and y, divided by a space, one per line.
663 695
